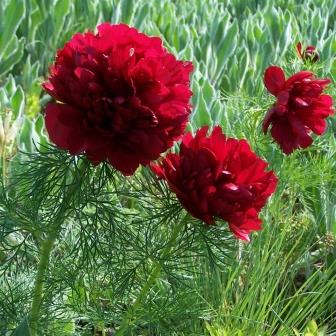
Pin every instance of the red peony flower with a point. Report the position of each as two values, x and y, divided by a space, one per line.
308 54
120 97
221 177
300 108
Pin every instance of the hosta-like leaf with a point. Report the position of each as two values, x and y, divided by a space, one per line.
13 14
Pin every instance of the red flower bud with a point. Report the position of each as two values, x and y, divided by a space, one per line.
308 54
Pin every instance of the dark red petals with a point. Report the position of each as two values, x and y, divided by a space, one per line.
66 133
300 102
124 161
299 78
274 79
218 177
299 49
300 109
291 134
125 98
268 119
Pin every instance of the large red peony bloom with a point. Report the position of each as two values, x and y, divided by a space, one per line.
120 97
221 177
300 108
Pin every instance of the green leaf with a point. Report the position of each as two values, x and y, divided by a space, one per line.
18 102
62 8
35 19
226 48
312 327
10 85
39 131
13 15
123 12
296 332
202 116
142 14
26 140
15 57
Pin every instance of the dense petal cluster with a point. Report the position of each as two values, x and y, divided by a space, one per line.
308 54
300 108
120 97
216 176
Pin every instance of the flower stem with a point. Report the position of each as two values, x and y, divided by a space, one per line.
155 273
46 249
4 168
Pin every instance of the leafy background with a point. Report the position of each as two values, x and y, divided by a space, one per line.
280 283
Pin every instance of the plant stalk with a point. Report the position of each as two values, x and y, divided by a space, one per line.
4 168
45 252
46 249
129 315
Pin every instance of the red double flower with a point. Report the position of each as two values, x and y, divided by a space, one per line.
300 108
120 97
218 177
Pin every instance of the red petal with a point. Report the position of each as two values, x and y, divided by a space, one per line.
274 79
239 233
299 49
301 131
310 49
283 97
61 133
268 119
124 161
298 77
327 101
157 170
318 126
282 133
300 102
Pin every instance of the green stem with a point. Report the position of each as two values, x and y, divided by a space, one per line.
39 281
46 249
103 330
129 315
4 169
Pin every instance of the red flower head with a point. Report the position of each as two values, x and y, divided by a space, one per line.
309 54
221 177
121 97
300 108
